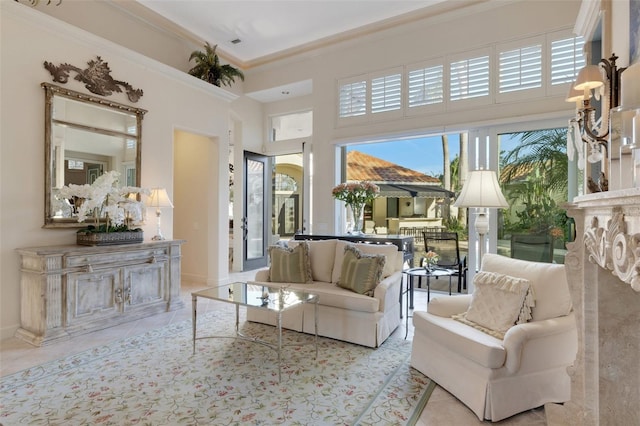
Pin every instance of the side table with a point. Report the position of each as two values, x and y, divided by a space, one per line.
408 291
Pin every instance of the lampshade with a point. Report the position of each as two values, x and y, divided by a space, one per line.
589 77
159 198
481 190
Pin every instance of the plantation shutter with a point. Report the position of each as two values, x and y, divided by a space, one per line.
520 69
353 99
386 93
426 86
566 59
469 78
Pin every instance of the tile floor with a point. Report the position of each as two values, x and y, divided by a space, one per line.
442 409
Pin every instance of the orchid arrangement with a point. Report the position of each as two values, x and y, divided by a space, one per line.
105 199
356 192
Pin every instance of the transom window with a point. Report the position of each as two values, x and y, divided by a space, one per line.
525 68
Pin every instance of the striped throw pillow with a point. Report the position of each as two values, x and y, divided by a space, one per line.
290 265
360 272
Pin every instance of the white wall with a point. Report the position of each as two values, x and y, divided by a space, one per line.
174 101
195 182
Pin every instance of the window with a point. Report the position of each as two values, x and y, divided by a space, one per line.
75 165
292 126
469 78
566 59
426 86
353 99
520 69
386 93
285 182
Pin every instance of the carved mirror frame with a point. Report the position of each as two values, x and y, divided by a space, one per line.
52 91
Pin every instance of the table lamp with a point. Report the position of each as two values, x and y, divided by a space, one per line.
159 199
481 190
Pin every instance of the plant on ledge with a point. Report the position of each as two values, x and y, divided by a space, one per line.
105 200
208 67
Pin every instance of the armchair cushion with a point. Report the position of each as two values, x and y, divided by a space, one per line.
548 281
290 265
470 343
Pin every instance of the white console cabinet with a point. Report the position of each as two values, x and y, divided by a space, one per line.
70 290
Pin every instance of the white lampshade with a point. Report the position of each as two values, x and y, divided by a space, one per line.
481 190
588 78
159 198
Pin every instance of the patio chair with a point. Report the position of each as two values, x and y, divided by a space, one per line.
533 247
446 245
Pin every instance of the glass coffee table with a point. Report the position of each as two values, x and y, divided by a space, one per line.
276 299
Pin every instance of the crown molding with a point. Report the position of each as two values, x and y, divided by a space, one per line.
588 19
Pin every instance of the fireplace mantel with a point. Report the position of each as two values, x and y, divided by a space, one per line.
602 269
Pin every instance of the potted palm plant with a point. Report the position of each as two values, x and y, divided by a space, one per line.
208 67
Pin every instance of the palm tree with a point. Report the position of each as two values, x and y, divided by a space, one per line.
544 150
536 174
208 67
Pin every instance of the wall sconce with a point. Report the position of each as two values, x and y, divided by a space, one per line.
584 125
159 199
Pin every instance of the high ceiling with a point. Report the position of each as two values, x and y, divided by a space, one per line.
271 29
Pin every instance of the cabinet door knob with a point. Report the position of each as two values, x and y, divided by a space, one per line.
153 260
118 296
88 268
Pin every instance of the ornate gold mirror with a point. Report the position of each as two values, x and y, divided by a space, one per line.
86 136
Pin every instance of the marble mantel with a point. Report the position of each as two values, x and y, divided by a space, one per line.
602 269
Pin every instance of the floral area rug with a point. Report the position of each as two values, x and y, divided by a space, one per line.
154 379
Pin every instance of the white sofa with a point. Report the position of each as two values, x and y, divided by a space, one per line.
497 378
342 313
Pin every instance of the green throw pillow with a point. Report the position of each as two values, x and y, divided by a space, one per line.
360 272
290 265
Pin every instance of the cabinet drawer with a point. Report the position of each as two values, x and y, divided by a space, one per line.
150 255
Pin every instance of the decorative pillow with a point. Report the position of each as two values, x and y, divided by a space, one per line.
290 265
499 302
360 272
390 251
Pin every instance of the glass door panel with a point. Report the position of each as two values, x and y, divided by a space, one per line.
254 223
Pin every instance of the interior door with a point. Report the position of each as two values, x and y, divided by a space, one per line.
256 210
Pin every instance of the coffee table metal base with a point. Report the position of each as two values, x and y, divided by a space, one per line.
275 346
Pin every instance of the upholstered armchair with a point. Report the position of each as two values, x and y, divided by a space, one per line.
472 347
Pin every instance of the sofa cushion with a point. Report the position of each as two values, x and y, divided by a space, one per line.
360 272
473 344
322 254
290 265
548 280
390 251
